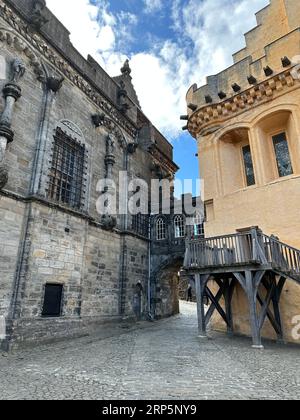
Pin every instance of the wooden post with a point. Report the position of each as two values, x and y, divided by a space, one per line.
228 294
199 282
254 321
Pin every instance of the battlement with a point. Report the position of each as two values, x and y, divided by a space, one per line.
270 48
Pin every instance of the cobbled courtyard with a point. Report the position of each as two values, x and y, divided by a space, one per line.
161 360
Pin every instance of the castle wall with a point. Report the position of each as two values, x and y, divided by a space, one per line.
103 271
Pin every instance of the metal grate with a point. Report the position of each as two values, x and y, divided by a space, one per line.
140 224
66 180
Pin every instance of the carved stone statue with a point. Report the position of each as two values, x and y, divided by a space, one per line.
18 70
126 70
37 14
110 145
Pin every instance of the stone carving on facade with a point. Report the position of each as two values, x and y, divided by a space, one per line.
11 93
126 70
20 46
123 99
101 120
37 15
54 83
201 119
109 221
61 64
18 70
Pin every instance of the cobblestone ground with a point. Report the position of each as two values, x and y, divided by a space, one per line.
163 360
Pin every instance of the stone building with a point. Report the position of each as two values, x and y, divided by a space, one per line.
246 123
64 125
169 230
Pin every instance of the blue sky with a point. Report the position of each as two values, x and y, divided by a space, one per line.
172 44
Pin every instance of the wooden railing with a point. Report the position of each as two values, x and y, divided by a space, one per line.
242 249
282 257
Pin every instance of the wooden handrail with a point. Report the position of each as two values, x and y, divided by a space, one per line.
251 247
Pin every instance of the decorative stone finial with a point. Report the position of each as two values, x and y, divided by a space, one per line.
37 15
126 70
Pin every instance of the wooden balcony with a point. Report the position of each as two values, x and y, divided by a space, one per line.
249 250
260 264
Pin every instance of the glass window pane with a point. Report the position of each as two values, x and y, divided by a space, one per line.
283 158
179 227
161 233
248 164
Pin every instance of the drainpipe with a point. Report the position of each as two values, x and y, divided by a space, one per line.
150 315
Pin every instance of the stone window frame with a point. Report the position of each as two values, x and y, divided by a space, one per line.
77 136
247 182
161 229
179 226
198 225
62 301
273 135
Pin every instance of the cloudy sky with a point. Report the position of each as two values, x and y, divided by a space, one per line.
171 44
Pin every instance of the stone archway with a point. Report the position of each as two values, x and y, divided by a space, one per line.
167 289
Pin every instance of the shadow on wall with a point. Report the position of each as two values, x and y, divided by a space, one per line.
167 291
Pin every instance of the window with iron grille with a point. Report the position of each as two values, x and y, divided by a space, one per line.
248 164
140 224
66 180
282 152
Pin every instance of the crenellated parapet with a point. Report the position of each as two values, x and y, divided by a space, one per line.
208 118
266 68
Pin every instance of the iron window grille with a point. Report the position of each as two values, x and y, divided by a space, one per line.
140 225
68 171
248 164
282 152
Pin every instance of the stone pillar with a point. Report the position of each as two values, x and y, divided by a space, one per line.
11 92
108 220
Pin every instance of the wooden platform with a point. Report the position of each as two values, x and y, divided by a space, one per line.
251 259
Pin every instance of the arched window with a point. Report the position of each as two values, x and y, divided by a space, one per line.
161 232
179 226
198 225
67 172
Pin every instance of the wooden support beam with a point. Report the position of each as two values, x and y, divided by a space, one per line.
254 322
265 306
228 295
270 316
217 298
200 283
215 302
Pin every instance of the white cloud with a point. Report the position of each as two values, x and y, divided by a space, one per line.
152 6
208 32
